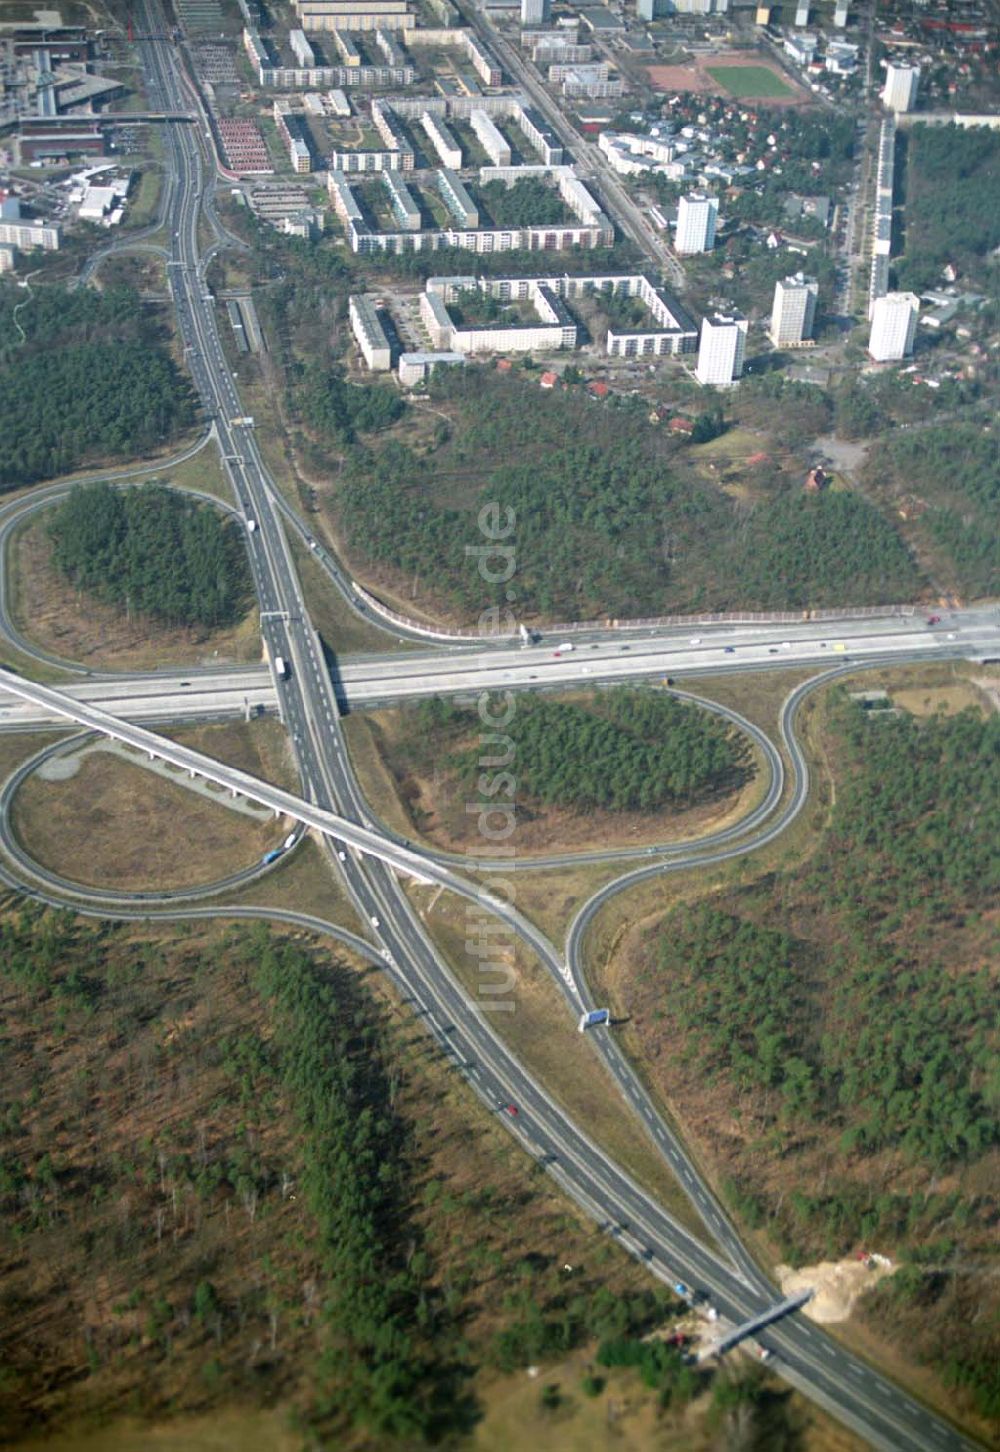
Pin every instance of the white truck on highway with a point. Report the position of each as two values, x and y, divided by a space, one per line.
281 668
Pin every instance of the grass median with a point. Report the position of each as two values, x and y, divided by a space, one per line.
541 1032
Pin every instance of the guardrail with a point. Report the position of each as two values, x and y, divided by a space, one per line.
652 622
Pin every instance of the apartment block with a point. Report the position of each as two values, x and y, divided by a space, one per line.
291 78
590 227
312 76
490 138
363 15
388 126
457 199
351 162
555 327
415 368
484 63
675 330
595 71
27 234
295 134
582 203
258 52
300 48
346 49
390 48
538 133
402 201
721 349
481 240
894 326
900 90
581 82
444 143
696 217
370 334
793 313
552 50
344 201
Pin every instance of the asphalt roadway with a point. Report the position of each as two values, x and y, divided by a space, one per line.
854 1392
596 659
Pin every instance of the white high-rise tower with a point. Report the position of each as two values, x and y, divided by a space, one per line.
721 349
900 90
894 325
794 311
696 216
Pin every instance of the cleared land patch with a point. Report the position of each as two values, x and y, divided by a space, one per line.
939 700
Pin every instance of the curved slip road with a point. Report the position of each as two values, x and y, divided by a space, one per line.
68 889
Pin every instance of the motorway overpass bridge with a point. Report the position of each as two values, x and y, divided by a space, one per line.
364 840
757 1323
114 118
239 783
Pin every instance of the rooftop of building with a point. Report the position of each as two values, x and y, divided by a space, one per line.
430 356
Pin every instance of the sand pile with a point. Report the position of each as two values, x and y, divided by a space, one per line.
837 1284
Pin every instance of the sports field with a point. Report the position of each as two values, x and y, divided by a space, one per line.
758 83
743 75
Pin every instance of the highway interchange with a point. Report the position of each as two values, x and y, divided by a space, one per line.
372 861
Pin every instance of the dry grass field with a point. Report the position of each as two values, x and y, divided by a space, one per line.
113 823
117 825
